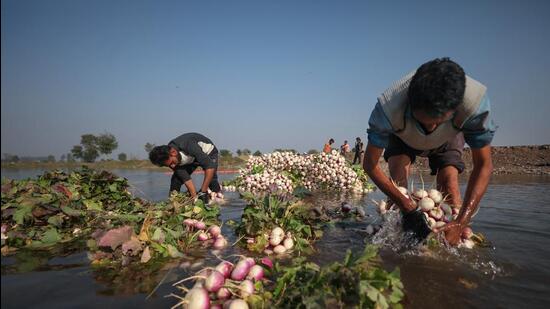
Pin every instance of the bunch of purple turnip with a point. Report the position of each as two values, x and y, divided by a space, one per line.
225 286
207 234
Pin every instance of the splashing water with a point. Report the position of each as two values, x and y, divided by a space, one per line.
390 235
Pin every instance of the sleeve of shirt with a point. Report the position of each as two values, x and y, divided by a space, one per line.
480 129
179 177
202 158
380 128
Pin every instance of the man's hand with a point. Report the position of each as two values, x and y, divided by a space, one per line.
407 205
453 231
203 196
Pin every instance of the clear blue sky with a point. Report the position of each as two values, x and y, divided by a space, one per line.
254 74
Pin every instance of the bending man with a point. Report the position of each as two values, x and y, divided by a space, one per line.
183 155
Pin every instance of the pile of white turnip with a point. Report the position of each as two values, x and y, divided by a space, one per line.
283 171
225 286
216 197
207 234
434 207
230 188
279 241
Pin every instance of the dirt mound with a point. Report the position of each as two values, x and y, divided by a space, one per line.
533 160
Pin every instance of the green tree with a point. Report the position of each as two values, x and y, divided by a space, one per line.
106 143
77 152
89 155
239 152
88 141
313 151
122 156
225 153
51 158
63 157
257 153
89 150
70 158
246 152
149 147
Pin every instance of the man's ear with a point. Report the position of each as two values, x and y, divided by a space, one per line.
173 152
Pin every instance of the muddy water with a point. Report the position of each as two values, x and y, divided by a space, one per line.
514 271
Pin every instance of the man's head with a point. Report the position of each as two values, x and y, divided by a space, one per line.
345 142
164 156
331 141
435 91
357 139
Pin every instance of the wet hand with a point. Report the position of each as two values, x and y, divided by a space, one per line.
452 232
408 205
205 197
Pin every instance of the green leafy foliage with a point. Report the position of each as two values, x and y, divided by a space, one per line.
59 207
357 282
262 214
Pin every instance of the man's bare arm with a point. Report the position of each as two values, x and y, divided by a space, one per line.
372 168
477 184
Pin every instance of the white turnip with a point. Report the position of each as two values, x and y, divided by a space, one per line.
220 243
256 273
426 204
421 193
240 271
280 249
215 231
223 293
214 282
197 298
236 304
246 288
225 268
435 195
274 240
199 225
203 236
288 243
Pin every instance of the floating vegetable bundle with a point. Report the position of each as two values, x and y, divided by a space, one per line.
169 228
229 285
358 282
274 224
59 208
285 171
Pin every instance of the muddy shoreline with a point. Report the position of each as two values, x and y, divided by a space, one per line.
512 160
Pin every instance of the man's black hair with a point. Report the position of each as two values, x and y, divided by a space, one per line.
159 155
331 141
437 87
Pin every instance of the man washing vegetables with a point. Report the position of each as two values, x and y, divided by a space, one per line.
431 113
183 155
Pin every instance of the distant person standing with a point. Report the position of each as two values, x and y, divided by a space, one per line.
328 146
358 150
344 149
183 155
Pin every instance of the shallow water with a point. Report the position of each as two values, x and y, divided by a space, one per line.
513 272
